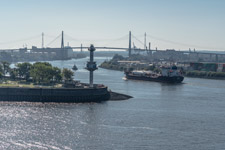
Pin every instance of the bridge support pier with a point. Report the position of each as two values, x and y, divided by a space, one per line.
210 57
197 57
149 50
217 58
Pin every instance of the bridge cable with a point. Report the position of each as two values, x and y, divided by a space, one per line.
138 40
112 41
53 40
25 39
75 39
178 43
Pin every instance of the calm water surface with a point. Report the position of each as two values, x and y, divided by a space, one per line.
185 116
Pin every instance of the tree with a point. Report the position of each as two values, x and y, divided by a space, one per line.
13 73
118 57
43 72
67 74
5 67
56 74
1 69
24 70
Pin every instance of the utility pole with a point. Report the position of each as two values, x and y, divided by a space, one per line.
42 39
129 49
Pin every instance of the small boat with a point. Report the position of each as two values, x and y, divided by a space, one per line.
168 75
75 67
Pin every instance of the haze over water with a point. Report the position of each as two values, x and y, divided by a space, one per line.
160 116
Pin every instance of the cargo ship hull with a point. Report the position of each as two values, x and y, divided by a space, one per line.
58 95
165 79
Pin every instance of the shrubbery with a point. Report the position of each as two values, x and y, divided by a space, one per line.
39 72
205 74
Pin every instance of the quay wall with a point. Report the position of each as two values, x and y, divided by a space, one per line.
62 95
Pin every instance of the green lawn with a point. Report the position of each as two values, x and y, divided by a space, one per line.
10 83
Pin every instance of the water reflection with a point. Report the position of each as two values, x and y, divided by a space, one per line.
171 87
160 116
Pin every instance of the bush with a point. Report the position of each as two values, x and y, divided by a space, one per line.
205 74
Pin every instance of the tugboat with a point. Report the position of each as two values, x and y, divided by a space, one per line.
75 67
167 75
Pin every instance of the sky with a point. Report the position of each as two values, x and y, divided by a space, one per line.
169 24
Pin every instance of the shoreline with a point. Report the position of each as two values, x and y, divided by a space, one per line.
206 77
45 94
213 78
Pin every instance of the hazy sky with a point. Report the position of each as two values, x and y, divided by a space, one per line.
178 24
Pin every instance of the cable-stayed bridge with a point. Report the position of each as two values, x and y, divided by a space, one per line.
129 40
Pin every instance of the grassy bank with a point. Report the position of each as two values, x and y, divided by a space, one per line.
12 83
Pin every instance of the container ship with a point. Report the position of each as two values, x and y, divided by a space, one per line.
167 75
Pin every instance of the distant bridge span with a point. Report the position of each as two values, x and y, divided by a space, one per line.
118 48
62 52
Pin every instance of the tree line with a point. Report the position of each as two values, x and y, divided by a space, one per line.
39 72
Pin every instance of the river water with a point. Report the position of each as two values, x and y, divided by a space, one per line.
185 116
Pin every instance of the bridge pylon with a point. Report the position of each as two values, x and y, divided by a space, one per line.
129 49
42 44
62 42
63 50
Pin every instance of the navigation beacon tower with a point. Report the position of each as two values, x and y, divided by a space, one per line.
91 65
